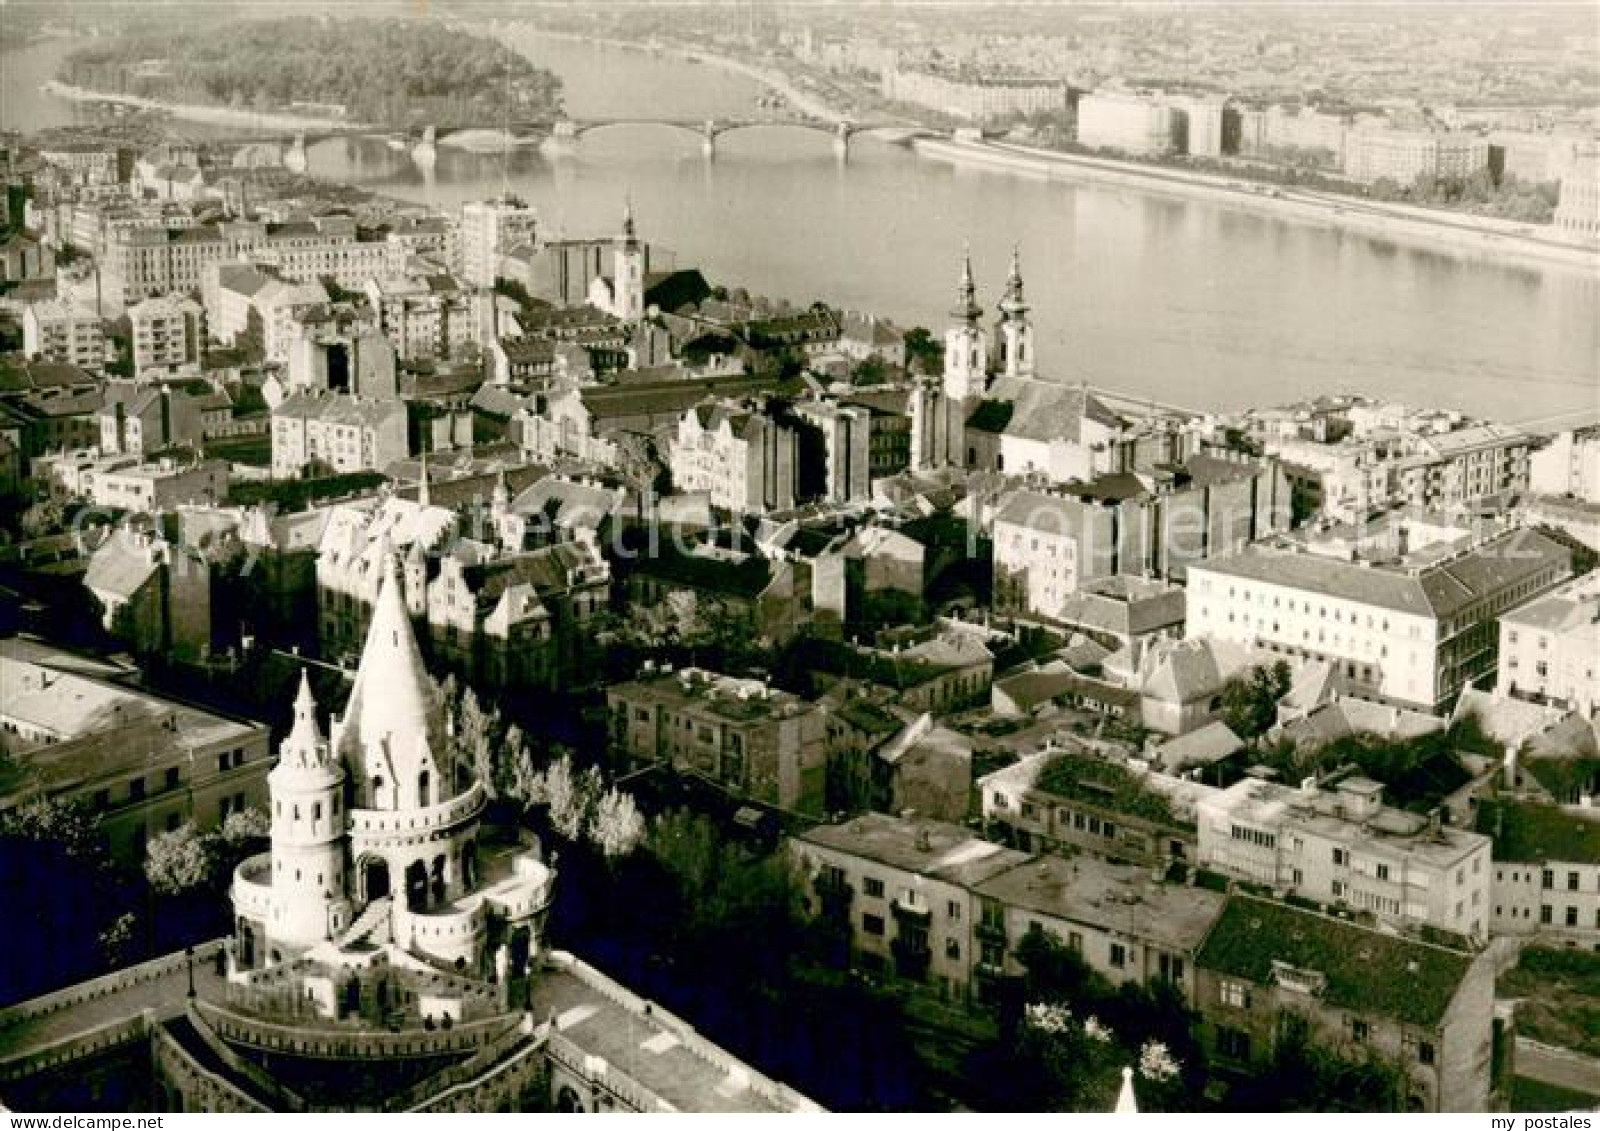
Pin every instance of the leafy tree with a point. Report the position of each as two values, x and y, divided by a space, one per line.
618 826
42 518
569 796
1250 702
179 861
924 352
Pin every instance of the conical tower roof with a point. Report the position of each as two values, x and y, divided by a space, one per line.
1013 305
967 308
303 761
391 704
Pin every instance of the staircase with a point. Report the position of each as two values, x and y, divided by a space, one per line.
372 923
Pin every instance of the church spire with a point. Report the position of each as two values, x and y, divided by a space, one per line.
304 743
1013 305
630 235
967 308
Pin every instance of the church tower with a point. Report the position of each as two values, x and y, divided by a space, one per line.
1014 331
308 819
966 347
627 270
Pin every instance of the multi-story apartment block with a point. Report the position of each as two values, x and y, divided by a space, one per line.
1269 973
1463 466
1568 465
150 488
743 456
1047 545
142 764
141 262
86 163
61 332
169 334
1127 925
1301 132
935 906
905 887
1411 625
425 317
1404 155
433 238
1072 801
769 746
139 419
1546 871
1130 122
343 433
973 97
228 294
1577 215
328 247
840 437
1550 647
1337 843
489 229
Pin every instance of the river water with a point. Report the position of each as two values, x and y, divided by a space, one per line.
1183 301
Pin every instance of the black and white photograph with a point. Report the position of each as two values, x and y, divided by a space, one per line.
765 557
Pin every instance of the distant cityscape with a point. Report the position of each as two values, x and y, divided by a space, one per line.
449 664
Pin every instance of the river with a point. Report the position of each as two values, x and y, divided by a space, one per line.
1183 301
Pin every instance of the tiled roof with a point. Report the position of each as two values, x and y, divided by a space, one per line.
1366 971
1529 833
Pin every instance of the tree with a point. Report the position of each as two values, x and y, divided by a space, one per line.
924 353
243 826
43 517
179 861
618 826
1250 702
569 795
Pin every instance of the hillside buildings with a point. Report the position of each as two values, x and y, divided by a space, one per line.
737 733
63 333
1550 647
488 230
1336 843
1407 613
169 335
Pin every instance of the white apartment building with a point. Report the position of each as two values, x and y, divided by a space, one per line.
1202 124
1341 845
975 98
1133 123
1546 871
62 332
744 459
424 317
169 334
1550 647
1568 465
1412 628
489 229
343 433
152 487
141 262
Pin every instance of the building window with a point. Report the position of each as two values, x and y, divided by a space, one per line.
1572 916
1340 857
1572 881
1236 995
953 911
872 886
872 924
1119 955
952 949
1233 1044
1547 879
1545 915
1359 1030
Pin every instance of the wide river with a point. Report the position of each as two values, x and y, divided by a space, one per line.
1179 300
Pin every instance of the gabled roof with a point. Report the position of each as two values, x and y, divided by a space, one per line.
1211 743
1363 970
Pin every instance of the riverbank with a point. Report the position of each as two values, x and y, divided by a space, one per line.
213 115
807 105
1473 236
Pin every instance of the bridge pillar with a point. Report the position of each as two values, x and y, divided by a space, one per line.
294 158
426 151
709 145
841 141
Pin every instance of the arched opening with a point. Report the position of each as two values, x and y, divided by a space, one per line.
424 789
469 865
377 791
436 879
521 946
567 1100
416 886
375 878
247 945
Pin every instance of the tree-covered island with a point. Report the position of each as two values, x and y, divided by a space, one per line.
380 72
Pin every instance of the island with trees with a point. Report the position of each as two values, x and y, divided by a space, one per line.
390 73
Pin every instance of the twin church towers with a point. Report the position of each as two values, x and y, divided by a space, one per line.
976 368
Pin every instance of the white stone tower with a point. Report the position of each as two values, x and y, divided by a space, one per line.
966 346
1014 330
308 841
627 270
